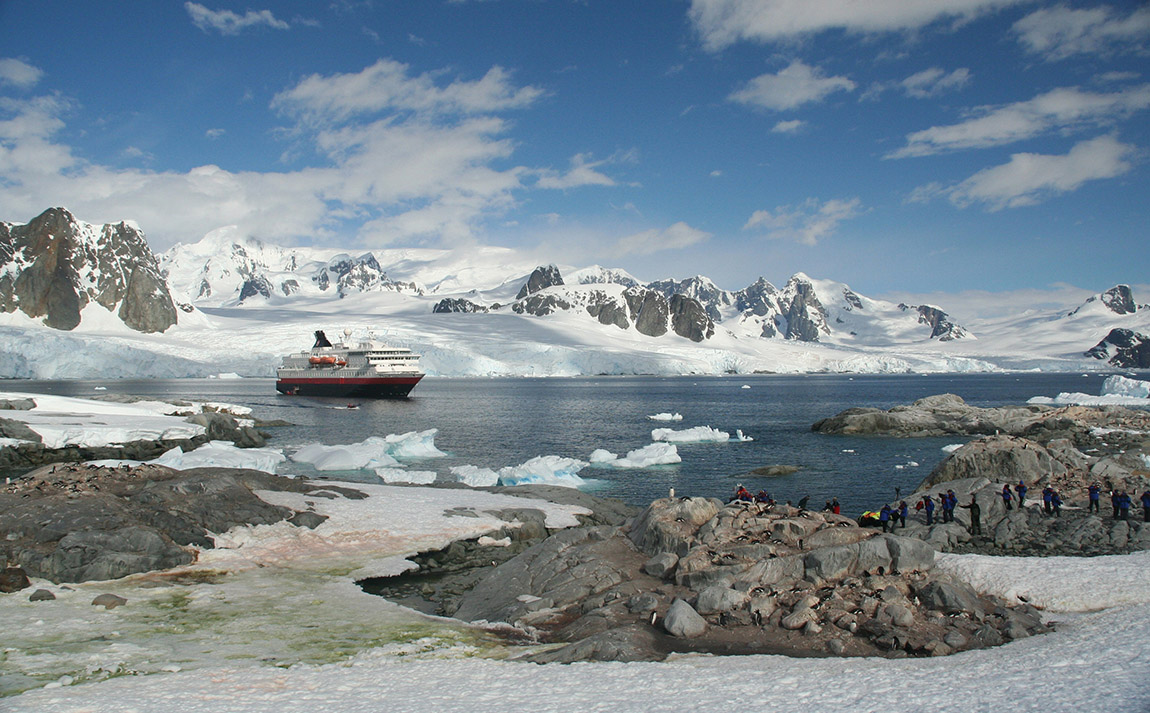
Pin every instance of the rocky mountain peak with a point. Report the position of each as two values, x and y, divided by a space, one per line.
55 265
1118 299
541 278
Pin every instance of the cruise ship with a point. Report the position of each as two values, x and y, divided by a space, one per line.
369 369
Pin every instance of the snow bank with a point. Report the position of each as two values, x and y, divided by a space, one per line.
698 434
1057 584
402 475
645 457
666 417
223 454
542 470
371 453
63 421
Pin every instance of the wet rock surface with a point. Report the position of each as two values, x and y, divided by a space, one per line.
81 523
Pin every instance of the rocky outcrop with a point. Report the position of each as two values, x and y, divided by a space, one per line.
710 298
457 304
1118 299
540 279
803 313
54 266
688 318
693 574
1123 348
941 327
81 523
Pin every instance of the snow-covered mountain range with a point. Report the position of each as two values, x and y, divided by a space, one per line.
483 311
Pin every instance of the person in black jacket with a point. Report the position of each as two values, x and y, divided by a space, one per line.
975 516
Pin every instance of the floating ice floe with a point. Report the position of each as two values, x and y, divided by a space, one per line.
908 464
698 434
371 453
1116 391
227 375
666 417
645 457
951 448
541 470
402 475
222 454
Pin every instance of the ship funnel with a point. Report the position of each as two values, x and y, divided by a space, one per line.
320 340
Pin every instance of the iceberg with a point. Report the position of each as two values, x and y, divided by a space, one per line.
371 453
541 470
666 417
698 434
222 454
645 457
1123 386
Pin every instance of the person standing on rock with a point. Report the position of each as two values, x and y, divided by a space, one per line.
928 504
951 503
1094 491
1055 503
835 507
1020 489
884 518
1124 503
902 512
1047 496
1007 496
1145 505
975 516
1115 500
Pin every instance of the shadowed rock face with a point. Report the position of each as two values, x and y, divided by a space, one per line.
55 266
542 278
1123 348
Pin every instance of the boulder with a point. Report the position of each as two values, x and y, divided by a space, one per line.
683 621
661 565
13 579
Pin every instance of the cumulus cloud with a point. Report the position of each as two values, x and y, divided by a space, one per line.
1030 178
797 84
413 158
676 237
721 23
1057 110
18 73
388 85
1061 32
227 22
806 223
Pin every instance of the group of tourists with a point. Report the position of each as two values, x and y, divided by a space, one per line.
947 502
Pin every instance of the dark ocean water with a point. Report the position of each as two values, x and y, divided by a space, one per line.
502 422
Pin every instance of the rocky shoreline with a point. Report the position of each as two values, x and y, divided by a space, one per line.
684 574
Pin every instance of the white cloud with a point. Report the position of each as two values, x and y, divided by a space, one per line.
227 22
18 73
1029 178
430 166
215 133
1061 32
1058 109
387 86
934 81
581 173
797 84
676 237
721 23
806 223
788 127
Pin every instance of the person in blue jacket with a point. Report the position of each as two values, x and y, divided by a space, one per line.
1145 505
902 508
1055 503
1047 494
884 518
1020 489
929 505
1124 503
1094 491
1007 496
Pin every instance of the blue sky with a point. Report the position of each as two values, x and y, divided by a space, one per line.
894 145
